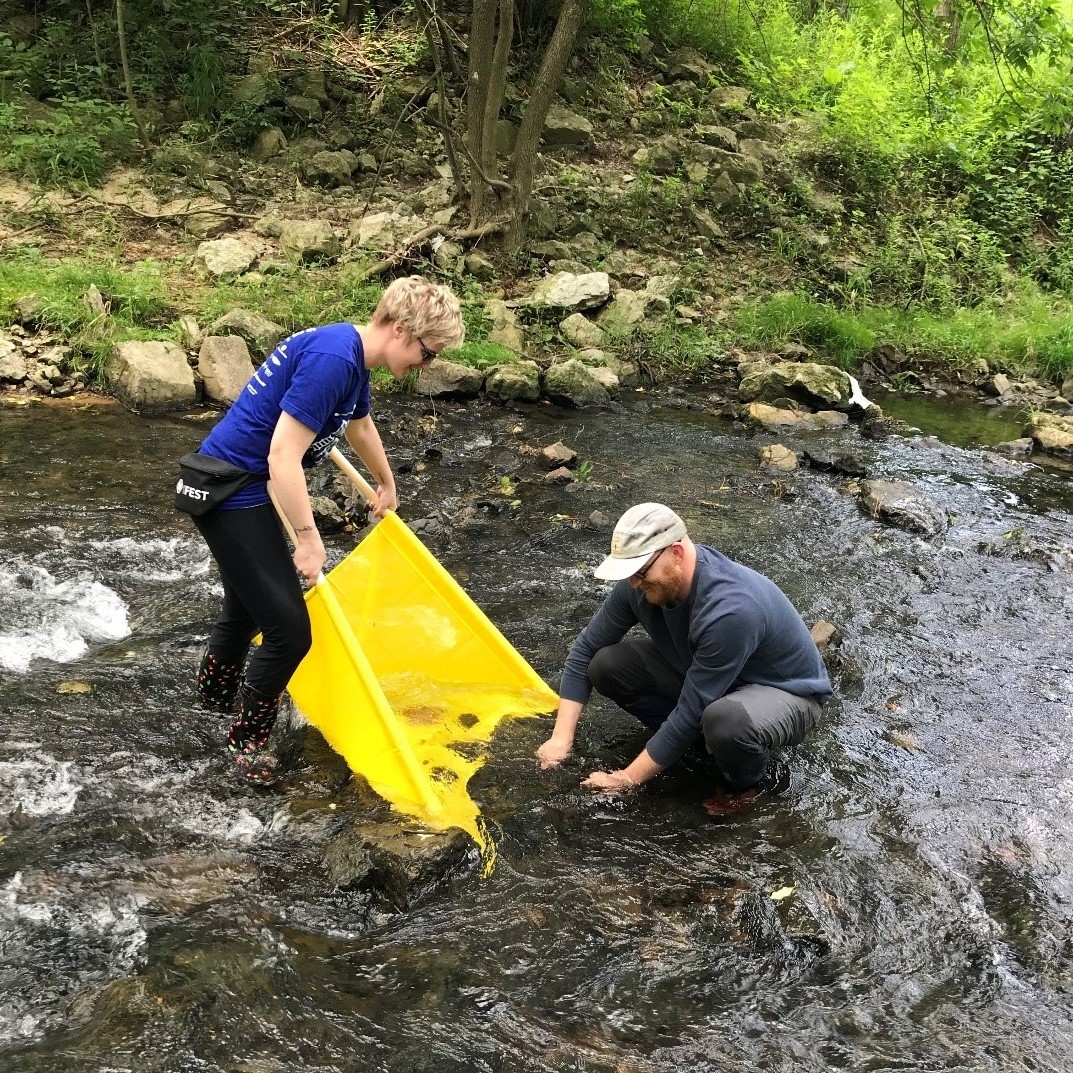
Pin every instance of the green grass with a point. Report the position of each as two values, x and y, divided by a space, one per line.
147 299
1029 333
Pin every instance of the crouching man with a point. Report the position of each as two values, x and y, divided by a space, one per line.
726 659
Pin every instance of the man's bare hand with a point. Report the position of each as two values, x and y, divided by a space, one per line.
553 752
609 782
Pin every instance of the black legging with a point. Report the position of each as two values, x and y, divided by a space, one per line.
261 595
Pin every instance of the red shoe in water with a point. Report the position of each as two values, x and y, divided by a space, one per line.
724 803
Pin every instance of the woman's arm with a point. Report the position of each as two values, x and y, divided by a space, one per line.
290 441
363 436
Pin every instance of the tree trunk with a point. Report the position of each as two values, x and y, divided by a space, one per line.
433 29
523 162
491 33
128 85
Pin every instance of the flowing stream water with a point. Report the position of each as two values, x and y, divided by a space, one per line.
157 916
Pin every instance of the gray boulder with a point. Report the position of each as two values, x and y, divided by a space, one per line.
478 266
720 137
449 379
311 82
1067 387
12 363
518 382
505 330
394 864
722 193
810 383
151 375
563 127
329 168
305 109
778 458
383 230
662 157
900 504
689 65
568 290
775 419
705 224
190 332
225 366
268 144
729 99
255 89
575 384
579 331
558 454
629 309
309 240
1053 435
260 333
223 257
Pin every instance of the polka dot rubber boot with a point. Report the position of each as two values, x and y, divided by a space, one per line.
248 737
217 683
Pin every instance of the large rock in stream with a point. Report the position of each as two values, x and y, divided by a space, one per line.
260 333
225 366
779 420
396 865
1051 434
900 504
818 386
517 382
575 384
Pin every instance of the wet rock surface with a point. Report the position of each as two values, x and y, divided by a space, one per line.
899 503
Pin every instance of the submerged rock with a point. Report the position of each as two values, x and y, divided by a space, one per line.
777 457
836 462
395 864
772 417
900 504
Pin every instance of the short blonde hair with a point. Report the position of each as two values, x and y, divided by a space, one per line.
428 311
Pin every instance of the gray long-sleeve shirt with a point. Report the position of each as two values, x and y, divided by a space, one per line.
736 627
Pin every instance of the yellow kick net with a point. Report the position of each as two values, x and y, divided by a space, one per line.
407 676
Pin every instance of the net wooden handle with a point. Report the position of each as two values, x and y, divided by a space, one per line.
356 478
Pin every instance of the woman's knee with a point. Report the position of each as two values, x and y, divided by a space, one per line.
290 637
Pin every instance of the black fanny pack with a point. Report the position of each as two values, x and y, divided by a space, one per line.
205 482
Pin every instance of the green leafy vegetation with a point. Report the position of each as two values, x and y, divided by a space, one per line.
1029 333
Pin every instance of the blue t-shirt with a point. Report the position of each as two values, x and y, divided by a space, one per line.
318 376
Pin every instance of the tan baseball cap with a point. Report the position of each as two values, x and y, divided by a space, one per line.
641 532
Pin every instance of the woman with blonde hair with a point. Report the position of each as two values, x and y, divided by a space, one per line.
311 389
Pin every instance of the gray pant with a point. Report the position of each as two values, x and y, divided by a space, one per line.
740 729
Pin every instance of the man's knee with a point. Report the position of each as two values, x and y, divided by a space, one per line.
726 724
